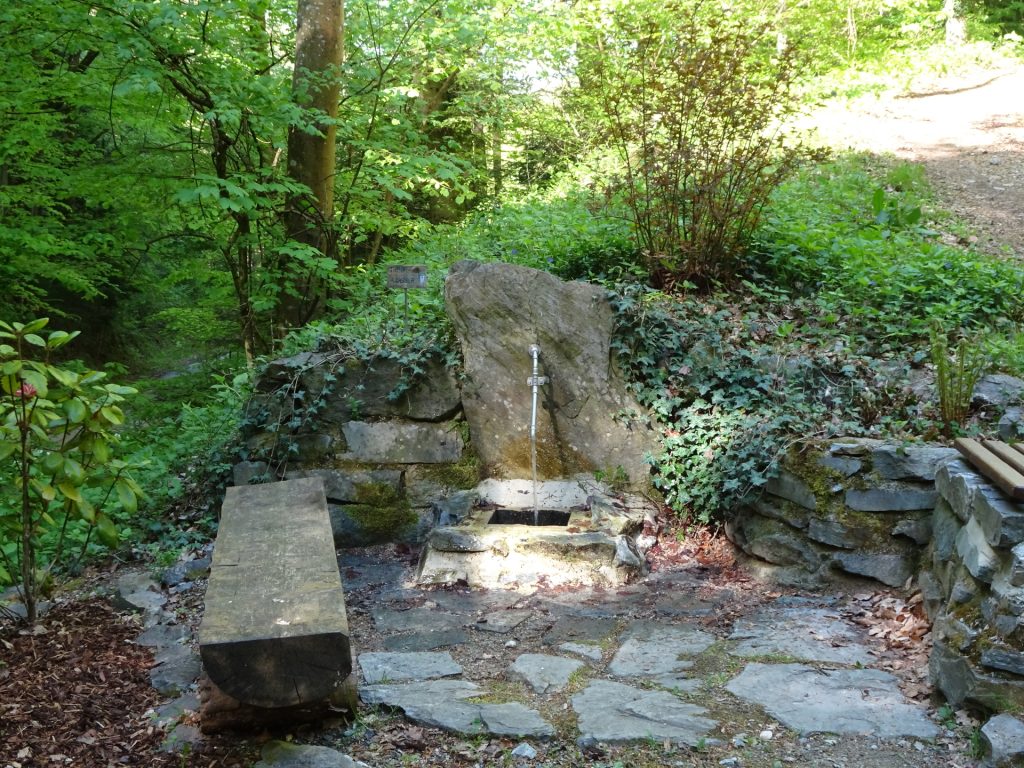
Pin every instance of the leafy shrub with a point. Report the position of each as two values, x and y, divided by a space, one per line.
185 443
57 444
695 102
733 383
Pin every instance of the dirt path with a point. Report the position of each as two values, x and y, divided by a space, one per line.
967 131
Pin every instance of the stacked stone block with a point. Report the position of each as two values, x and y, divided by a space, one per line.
855 507
974 589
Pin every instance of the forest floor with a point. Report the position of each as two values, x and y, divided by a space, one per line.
968 133
81 687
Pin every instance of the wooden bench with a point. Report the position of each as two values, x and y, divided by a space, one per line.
274 632
1000 462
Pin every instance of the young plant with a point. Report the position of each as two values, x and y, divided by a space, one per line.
694 101
57 441
956 374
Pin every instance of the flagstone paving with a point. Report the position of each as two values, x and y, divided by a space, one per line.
635 665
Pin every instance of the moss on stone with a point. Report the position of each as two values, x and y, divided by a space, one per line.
463 474
381 511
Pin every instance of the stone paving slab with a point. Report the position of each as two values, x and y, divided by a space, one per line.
425 641
615 713
381 667
475 601
651 649
804 633
845 701
581 629
592 652
416 620
502 622
544 673
442 704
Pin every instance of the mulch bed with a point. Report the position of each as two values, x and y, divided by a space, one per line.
75 692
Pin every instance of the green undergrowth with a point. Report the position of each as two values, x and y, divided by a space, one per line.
856 240
848 285
732 381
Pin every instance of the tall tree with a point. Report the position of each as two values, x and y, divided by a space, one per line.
319 50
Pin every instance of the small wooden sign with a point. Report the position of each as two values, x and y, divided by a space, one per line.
407 276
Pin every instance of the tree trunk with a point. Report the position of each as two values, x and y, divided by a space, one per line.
956 27
319 46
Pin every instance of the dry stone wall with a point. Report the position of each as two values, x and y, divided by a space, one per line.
897 514
852 507
974 588
387 445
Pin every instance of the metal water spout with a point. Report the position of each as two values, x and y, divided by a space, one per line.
536 381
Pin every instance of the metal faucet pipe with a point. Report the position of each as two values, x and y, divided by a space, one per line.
536 381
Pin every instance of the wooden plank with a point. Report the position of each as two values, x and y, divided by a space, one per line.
274 630
1019 447
1012 458
1009 480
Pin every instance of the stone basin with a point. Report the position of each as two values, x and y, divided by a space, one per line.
594 541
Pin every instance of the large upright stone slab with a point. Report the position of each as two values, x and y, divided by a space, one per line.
274 631
499 310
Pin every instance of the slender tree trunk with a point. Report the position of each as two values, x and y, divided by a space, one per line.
28 553
319 46
956 27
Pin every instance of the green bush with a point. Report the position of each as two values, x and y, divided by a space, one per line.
58 471
696 103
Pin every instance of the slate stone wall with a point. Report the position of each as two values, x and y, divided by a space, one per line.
850 507
973 583
388 444
895 513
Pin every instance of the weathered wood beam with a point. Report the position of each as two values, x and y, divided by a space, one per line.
981 455
274 630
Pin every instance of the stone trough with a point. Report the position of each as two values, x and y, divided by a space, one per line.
583 534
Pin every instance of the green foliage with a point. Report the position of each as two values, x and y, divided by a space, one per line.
57 443
185 439
881 273
1005 350
731 385
1006 15
956 373
695 104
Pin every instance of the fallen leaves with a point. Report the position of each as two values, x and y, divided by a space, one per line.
905 634
78 693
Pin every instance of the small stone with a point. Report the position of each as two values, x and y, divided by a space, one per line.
890 499
1003 740
511 643
997 389
766 735
977 555
524 751
790 487
739 740
730 762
